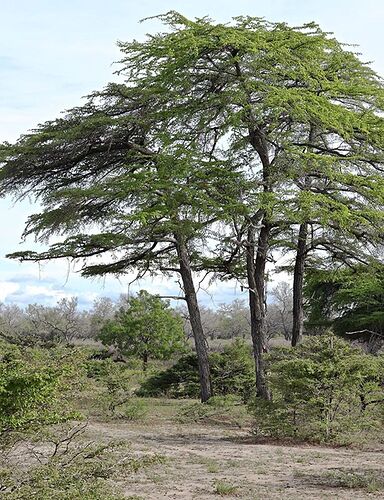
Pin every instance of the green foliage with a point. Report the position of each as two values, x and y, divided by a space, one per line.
173 148
134 410
233 370
115 383
179 381
147 328
77 481
223 488
323 390
34 386
232 373
349 299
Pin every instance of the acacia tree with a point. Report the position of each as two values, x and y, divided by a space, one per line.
116 199
299 112
310 112
121 188
212 123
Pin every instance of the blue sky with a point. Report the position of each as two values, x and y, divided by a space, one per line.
53 53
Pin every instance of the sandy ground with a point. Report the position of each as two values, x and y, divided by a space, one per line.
202 462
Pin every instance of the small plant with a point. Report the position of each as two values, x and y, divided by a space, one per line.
368 480
134 410
212 467
324 391
116 382
224 488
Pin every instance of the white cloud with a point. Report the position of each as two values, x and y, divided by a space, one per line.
7 288
44 291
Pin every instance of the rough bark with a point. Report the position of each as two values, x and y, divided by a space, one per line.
255 279
195 319
298 280
256 262
298 272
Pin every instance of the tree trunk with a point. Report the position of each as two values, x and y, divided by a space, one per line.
298 281
145 361
195 319
255 276
256 267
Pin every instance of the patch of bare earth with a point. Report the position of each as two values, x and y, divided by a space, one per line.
204 462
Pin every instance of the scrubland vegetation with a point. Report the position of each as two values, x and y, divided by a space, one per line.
72 421
226 152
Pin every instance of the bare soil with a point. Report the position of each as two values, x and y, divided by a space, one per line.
205 461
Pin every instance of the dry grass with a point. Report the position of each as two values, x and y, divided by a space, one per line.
217 457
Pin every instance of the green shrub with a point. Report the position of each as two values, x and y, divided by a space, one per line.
53 482
323 390
35 386
134 409
179 381
223 488
232 372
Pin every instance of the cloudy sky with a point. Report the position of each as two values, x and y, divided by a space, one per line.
53 53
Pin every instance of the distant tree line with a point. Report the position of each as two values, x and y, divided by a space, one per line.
65 322
61 323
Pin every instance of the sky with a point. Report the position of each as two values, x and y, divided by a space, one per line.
54 53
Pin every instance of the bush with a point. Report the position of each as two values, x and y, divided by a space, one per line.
134 409
63 464
179 381
34 386
323 390
232 372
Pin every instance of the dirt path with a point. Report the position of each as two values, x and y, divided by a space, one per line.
203 462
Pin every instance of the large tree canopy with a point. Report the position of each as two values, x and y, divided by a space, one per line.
264 135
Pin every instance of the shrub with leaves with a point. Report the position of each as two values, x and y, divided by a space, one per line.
323 390
233 370
114 385
34 386
232 373
66 465
179 381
